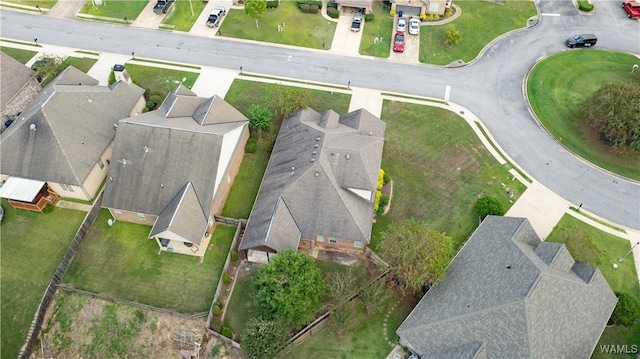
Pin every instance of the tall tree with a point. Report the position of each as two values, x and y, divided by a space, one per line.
417 253
263 339
255 9
288 288
341 285
285 99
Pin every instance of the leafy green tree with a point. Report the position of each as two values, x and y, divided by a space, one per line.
627 311
259 117
614 111
487 205
263 339
417 253
288 288
255 9
48 67
452 35
284 99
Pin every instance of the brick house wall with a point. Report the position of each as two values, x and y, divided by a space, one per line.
232 170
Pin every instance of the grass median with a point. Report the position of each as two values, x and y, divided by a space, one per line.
117 9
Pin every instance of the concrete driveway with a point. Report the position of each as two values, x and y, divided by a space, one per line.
345 41
411 46
148 19
200 27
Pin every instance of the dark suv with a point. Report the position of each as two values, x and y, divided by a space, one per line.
584 40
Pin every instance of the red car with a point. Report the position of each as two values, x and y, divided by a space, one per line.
632 9
398 42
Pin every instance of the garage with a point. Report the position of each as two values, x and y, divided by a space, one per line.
408 10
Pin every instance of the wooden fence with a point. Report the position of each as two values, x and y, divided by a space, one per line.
47 298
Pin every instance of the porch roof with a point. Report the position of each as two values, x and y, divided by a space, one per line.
21 189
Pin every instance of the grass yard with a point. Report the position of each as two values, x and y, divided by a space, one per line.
439 169
600 249
557 87
118 9
122 262
300 29
183 14
160 81
242 95
22 56
83 64
479 23
380 27
45 4
364 338
31 248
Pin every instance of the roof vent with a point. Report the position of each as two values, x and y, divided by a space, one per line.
110 178
317 174
115 125
146 148
370 133
161 185
318 138
292 168
314 152
347 156
315 146
313 159
82 142
32 127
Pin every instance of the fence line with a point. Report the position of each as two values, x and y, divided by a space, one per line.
225 339
133 304
47 297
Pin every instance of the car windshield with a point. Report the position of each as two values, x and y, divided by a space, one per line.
399 39
577 37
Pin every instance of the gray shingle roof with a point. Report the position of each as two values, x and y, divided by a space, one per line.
318 164
517 296
13 77
156 153
74 121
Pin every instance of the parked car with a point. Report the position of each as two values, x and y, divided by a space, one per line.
584 40
402 25
414 26
632 9
162 6
398 42
118 68
356 24
216 14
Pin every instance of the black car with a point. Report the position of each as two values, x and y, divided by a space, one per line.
118 68
584 40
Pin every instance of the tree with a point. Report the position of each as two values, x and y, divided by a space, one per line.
288 288
627 310
417 253
263 339
374 296
284 99
255 9
487 205
48 67
341 285
259 117
341 317
614 111
452 35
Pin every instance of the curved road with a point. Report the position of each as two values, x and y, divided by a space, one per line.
491 87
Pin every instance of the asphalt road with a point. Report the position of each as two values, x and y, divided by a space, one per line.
491 87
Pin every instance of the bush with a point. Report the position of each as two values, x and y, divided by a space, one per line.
331 5
157 99
304 8
452 35
333 12
268 140
310 2
448 12
272 4
216 310
151 104
386 178
376 203
226 278
392 13
234 256
369 17
384 201
627 310
423 17
112 78
585 6
226 331
432 17
488 205
252 144
313 9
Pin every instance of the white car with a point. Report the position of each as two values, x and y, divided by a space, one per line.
414 26
402 25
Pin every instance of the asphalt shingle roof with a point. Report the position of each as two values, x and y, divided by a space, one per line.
517 296
316 162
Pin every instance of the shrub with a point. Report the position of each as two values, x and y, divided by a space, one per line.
331 4
423 17
226 331
151 104
380 179
252 144
376 204
433 17
384 201
313 9
112 78
310 2
386 178
268 140
272 4
259 117
226 278
452 35
333 12
448 12
234 256
304 8
392 13
216 310
369 17
157 99
146 109
585 6
627 310
487 205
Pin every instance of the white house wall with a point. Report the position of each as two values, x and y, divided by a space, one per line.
229 143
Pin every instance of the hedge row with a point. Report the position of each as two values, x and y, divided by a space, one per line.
333 12
272 4
310 2
309 9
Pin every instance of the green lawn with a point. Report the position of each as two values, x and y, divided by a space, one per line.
118 9
307 30
122 262
479 23
160 81
83 64
380 27
183 14
560 84
586 243
439 168
23 56
45 4
242 95
31 248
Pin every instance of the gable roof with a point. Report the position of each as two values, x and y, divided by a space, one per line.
64 131
13 77
323 173
156 153
511 295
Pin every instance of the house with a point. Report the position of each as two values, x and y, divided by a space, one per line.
506 294
173 168
18 87
63 138
416 7
319 187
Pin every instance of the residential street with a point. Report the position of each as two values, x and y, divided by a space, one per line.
491 87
